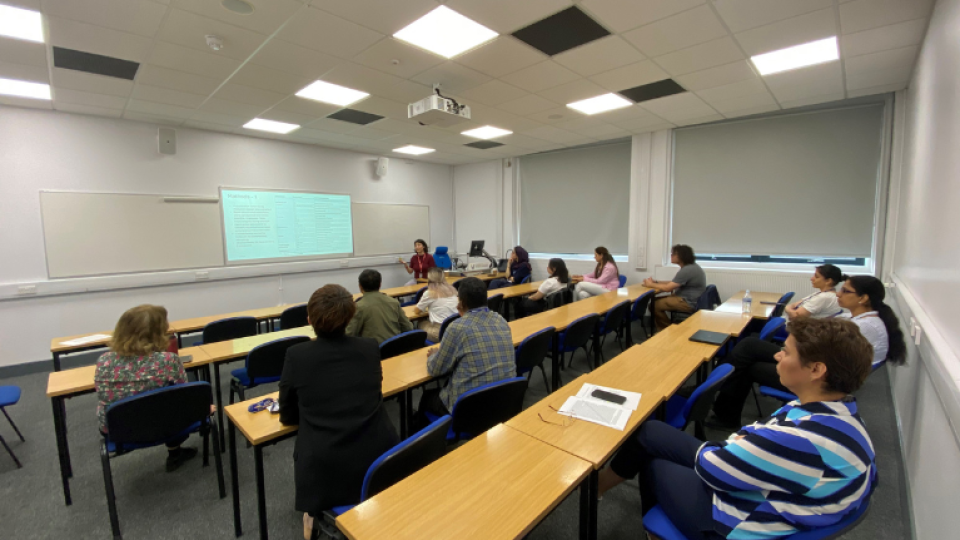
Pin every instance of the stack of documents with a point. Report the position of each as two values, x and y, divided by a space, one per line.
583 406
85 340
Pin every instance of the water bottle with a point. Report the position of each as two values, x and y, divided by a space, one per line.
747 303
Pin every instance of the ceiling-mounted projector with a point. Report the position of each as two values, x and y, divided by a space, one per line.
438 110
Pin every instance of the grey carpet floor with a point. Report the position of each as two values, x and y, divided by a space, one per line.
155 505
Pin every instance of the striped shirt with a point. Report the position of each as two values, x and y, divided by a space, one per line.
805 467
478 349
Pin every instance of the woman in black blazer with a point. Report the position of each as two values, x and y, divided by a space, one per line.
331 387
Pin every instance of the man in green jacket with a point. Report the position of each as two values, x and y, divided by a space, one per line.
378 316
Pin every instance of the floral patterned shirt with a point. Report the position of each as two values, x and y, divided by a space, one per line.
118 377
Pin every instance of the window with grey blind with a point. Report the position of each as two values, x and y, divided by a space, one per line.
572 201
794 186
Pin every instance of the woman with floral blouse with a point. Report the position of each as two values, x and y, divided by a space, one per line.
138 362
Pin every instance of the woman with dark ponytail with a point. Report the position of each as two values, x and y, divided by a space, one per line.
863 296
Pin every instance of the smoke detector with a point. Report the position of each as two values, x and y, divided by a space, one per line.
214 42
237 6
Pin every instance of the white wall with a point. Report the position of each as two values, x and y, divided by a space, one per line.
479 206
44 150
926 270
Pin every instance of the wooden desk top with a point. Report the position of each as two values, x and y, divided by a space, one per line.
409 368
562 316
225 350
482 277
498 485
79 380
758 310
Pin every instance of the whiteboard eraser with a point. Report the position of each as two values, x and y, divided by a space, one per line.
27 289
203 275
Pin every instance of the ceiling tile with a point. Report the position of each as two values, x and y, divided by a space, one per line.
604 132
327 33
409 60
540 76
151 118
332 126
293 58
641 122
373 133
385 17
208 126
76 97
521 141
360 78
699 120
562 31
622 15
266 78
87 109
493 93
267 15
893 36
573 91
655 90
598 56
880 68
580 123
188 29
678 107
866 14
160 109
176 80
800 84
876 90
178 57
452 77
741 15
397 126
167 96
630 76
505 16
382 106
527 105
97 40
21 72
249 95
503 55
97 84
231 108
25 4
306 107
718 76
677 32
555 115
699 57
738 96
219 118
26 102
787 33
18 51
132 16
484 115
553 134
279 115
750 111
404 91
812 100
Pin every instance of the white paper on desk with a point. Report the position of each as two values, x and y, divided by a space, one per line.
633 398
598 412
85 340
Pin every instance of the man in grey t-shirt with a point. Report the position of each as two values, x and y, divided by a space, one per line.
687 286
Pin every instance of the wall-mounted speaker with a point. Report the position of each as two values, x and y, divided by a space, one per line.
167 141
382 166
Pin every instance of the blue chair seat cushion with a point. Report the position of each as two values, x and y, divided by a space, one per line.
9 395
241 376
656 521
340 510
451 436
674 414
777 394
112 447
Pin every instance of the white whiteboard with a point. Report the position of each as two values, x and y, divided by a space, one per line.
89 234
384 229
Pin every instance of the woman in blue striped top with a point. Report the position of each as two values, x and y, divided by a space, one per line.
805 467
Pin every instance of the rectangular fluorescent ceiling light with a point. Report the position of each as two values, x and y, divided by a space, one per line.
414 150
332 93
10 87
21 24
486 132
599 104
270 125
808 54
445 32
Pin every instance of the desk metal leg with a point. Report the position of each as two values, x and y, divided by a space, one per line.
404 401
59 424
216 385
56 361
588 507
596 349
234 481
261 494
557 361
628 328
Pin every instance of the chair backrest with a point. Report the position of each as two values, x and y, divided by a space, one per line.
446 322
782 304
495 302
710 299
526 279
266 360
157 415
416 452
533 349
231 328
623 280
640 305
557 298
441 258
614 318
483 407
403 343
419 295
699 403
294 317
770 329
579 332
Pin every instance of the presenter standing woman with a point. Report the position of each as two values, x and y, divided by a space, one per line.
420 263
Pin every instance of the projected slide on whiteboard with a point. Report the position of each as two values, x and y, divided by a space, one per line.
262 225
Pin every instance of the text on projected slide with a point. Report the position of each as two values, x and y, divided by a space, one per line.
282 225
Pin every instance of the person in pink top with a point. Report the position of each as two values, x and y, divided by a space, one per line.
605 278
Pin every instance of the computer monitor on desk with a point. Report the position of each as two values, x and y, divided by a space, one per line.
476 248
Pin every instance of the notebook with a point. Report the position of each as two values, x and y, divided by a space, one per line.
706 336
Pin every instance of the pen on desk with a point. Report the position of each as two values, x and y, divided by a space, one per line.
769 303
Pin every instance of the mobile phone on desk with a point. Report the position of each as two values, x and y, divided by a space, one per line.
608 396
274 407
187 358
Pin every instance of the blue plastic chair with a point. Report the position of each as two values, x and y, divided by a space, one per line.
782 304
683 410
263 364
526 279
403 343
229 328
612 322
639 310
709 300
441 258
787 397
577 336
443 327
416 298
294 317
10 395
531 352
657 523
481 408
153 418
623 280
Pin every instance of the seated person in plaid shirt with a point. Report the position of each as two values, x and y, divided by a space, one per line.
477 349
